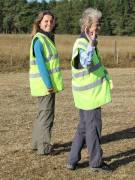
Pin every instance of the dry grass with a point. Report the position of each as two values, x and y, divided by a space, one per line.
14 51
18 111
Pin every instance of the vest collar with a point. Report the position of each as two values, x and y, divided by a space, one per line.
49 35
83 35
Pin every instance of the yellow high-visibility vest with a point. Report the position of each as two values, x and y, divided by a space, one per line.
91 86
37 86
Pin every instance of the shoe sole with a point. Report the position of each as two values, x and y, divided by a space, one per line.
70 168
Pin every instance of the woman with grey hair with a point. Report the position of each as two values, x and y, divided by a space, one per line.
91 87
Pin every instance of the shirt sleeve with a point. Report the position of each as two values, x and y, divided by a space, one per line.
40 59
86 56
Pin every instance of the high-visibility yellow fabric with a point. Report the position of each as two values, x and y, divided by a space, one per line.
91 86
37 86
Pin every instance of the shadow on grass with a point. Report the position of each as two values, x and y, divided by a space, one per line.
120 159
124 134
61 148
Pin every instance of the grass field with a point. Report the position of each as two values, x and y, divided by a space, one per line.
18 111
14 51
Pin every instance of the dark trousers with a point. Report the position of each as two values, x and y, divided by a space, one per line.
89 132
41 134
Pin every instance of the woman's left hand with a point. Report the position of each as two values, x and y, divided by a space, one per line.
51 90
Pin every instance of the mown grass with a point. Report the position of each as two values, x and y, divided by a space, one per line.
18 112
14 51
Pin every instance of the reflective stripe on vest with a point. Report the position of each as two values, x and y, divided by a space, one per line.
89 86
48 47
35 75
33 62
86 72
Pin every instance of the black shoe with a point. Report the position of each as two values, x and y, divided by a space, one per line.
71 167
48 149
103 167
34 149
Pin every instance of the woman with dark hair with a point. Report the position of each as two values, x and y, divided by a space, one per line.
45 79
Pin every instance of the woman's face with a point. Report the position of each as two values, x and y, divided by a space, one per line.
95 27
47 23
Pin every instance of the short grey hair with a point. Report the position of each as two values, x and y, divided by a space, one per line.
87 17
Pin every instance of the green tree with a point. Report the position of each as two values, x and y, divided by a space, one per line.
7 24
1 15
118 15
122 20
63 11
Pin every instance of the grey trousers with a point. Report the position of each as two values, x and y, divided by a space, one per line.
89 132
41 134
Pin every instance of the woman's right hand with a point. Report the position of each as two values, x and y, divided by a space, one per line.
91 35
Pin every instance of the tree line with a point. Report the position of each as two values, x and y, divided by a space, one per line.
17 16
